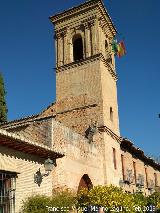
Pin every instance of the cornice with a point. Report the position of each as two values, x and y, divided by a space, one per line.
87 5
72 10
110 132
105 17
86 61
76 109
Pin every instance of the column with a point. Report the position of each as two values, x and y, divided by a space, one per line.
66 49
95 37
87 41
97 32
59 50
56 48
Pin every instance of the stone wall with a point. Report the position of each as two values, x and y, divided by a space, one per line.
112 175
81 158
38 131
109 97
78 113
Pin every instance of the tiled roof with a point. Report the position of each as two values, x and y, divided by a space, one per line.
137 152
16 121
23 121
48 107
20 143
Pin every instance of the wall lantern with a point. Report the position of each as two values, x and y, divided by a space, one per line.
49 166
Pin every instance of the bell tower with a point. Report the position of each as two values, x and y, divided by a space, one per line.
86 88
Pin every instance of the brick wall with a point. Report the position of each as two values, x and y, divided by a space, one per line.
140 170
26 166
37 131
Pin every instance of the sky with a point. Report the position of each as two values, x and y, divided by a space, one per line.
27 61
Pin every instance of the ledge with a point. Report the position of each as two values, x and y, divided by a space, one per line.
87 61
110 132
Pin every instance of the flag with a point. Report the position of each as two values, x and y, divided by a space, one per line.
115 46
118 48
121 49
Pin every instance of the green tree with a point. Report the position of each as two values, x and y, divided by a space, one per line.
3 105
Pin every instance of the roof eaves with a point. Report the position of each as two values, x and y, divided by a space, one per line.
19 120
52 104
23 141
65 13
68 11
130 147
24 121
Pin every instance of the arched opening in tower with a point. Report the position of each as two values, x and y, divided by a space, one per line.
85 183
77 47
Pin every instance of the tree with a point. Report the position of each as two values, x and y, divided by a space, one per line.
3 105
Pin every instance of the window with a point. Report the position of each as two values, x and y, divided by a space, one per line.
134 170
122 161
155 179
114 158
106 45
77 47
146 173
7 192
108 54
111 114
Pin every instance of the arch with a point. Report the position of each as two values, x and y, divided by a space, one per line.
106 45
85 183
77 47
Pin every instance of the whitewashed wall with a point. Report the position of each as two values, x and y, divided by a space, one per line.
26 166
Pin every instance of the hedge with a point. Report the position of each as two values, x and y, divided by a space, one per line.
108 198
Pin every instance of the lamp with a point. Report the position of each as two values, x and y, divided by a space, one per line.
48 166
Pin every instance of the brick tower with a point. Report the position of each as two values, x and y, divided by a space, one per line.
86 90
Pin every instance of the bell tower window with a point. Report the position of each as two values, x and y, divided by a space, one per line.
111 114
77 48
106 45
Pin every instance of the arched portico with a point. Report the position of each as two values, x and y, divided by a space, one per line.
85 183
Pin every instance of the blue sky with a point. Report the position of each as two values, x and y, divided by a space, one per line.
27 61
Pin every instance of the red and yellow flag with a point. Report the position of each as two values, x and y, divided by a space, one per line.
121 49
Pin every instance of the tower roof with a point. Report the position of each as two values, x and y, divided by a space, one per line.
91 4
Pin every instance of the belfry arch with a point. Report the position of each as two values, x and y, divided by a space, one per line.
77 47
85 183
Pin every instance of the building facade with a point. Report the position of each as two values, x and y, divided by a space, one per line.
81 129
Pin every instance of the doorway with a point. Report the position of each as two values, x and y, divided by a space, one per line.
85 183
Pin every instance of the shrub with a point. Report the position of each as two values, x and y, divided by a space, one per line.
154 199
65 199
61 201
36 204
112 198
140 200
